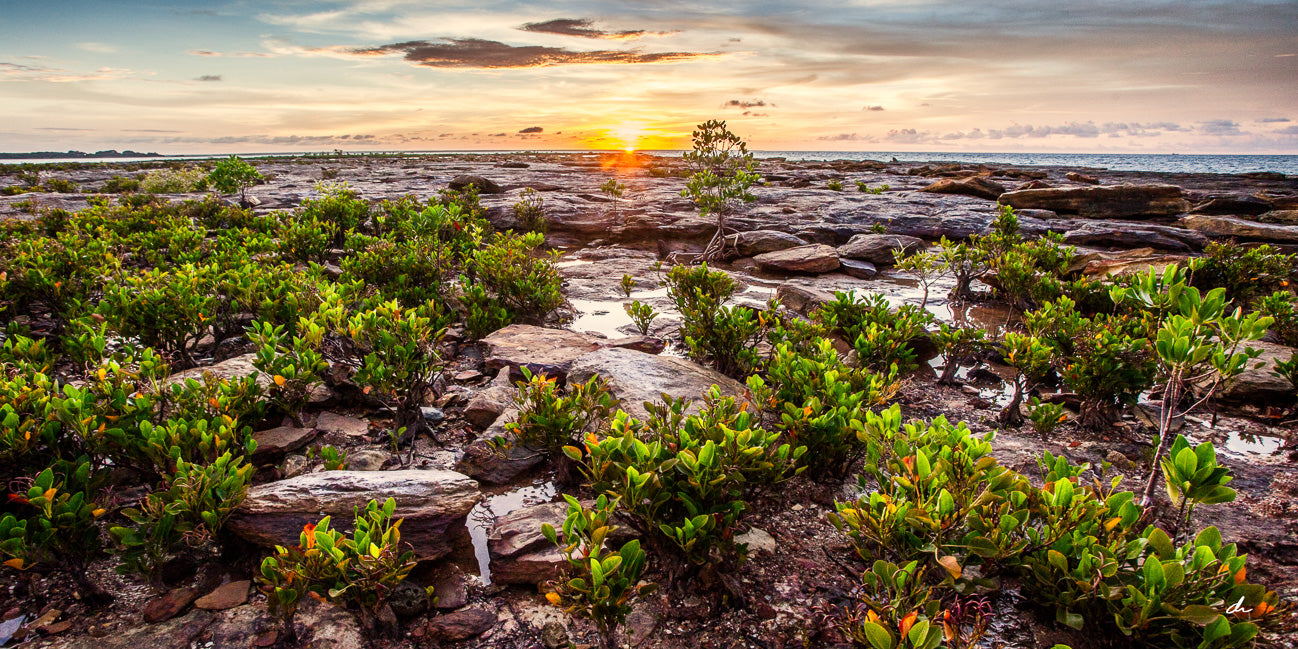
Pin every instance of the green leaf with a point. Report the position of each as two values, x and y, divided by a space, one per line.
878 636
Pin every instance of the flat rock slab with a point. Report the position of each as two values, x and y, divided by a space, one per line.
815 258
879 248
332 422
483 460
756 242
459 625
165 607
1260 385
635 377
226 596
1229 226
976 186
802 299
519 553
276 442
540 350
232 368
432 502
1111 202
177 633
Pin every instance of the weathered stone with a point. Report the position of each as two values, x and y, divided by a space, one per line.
408 600
801 299
276 442
332 422
635 377
519 531
432 415
815 258
450 590
234 368
485 186
486 461
857 268
1260 385
1134 235
226 596
756 242
1227 226
539 349
1232 206
1282 217
1082 178
1113 201
430 501
176 633
878 248
367 459
976 186
757 540
486 406
646 344
165 607
459 625
1128 262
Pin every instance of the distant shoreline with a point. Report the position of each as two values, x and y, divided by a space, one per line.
78 155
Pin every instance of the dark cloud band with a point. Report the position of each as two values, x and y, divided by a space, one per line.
479 53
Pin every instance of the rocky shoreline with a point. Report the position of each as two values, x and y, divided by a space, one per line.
474 515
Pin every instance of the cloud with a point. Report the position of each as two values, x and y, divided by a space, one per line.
208 77
533 129
1288 130
19 72
741 103
907 136
846 137
98 48
273 139
1085 130
61 128
480 53
583 28
873 108
1220 127
233 55
1271 120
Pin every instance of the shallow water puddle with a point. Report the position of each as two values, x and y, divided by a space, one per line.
484 515
1247 444
9 627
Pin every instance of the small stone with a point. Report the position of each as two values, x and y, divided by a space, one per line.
432 414
367 460
468 375
1117 459
554 636
330 422
765 611
408 600
229 595
294 465
57 627
858 268
757 539
796 508
278 441
450 591
160 609
459 625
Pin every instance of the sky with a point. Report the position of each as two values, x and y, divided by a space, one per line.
1143 76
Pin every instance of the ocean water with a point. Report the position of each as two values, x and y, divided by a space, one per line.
1164 163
